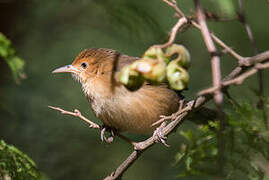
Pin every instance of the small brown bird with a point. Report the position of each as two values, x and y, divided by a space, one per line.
112 103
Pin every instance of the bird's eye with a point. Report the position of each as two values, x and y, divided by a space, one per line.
84 65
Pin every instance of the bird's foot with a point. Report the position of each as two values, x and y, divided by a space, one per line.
158 135
110 130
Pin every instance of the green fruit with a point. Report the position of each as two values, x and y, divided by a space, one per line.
152 70
177 76
131 79
183 55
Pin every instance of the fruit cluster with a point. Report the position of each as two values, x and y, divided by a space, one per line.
157 66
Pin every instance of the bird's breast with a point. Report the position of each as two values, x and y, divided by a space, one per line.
134 111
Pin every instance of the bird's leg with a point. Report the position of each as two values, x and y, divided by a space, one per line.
105 128
113 132
159 136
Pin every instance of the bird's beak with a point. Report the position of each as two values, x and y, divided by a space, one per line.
66 69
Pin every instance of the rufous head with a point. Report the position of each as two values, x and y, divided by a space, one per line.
93 69
88 64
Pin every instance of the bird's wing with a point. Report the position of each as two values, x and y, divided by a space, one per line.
122 60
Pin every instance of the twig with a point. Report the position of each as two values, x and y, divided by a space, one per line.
250 61
193 105
231 99
257 58
174 31
200 101
174 5
242 77
221 43
215 38
238 80
215 60
91 124
77 113
142 146
242 19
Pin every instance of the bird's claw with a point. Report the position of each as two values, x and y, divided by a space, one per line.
159 136
104 138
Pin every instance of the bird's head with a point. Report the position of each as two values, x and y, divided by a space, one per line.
92 68
90 63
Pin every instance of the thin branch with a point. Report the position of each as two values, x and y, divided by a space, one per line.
173 4
93 125
77 113
215 38
216 76
250 61
242 19
242 77
220 43
257 58
142 146
238 80
176 121
174 31
215 60
200 101
192 105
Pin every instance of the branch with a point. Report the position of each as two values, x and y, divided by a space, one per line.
242 18
174 31
220 43
215 38
181 115
250 61
242 77
215 60
93 125
238 80
77 113
142 146
174 5
178 118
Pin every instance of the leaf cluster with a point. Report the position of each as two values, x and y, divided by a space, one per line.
245 140
16 164
15 63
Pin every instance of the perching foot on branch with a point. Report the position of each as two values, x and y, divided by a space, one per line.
110 139
159 136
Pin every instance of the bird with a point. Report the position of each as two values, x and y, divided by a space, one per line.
117 107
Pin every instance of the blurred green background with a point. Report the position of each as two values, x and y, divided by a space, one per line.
50 34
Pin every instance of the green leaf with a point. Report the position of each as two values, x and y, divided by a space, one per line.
16 164
15 63
188 163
